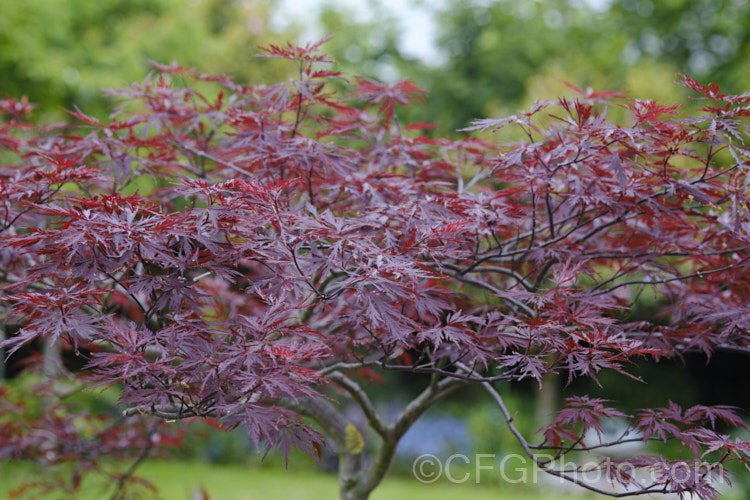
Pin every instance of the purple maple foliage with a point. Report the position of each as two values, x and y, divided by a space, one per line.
295 239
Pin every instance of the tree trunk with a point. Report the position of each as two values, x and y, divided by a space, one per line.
357 475
357 480
351 476
354 495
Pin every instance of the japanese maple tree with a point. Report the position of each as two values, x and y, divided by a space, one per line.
296 240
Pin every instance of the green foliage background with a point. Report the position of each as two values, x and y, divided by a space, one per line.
501 55
497 55
61 53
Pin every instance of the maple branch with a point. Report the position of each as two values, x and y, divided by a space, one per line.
490 269
447 373
298 116
542 274
325 414
624 271
336 424
550 214
145 452
7 224
211 157
718 174
560 237
360 396
387 449
422 402
135 299
616 442
348 366
734 348
709 156
608 254
676 278
171 412
532 233
543 464
533 217
481 175
578 158
563 474
426 368
496 291
307 280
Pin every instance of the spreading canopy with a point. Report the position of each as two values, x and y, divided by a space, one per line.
227 252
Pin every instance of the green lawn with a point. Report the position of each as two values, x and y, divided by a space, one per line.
177 480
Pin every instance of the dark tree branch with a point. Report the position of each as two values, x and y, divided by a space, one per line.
360 396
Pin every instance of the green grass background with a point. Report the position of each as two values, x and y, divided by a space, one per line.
177 480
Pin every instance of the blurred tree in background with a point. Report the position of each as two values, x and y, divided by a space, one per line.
707 38
494 54
62 52
497 54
